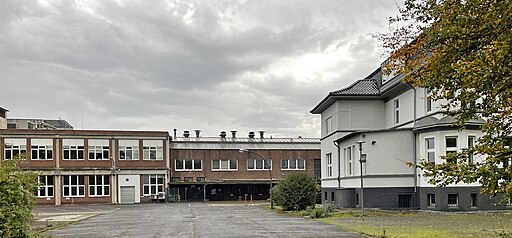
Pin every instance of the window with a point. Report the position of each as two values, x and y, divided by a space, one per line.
473 200
98 149
325 196
348 158
153 184
45 187
225 164
74 186
153 150
188 164
332 197
357 199
431 150
428 101
128 149
42 149
431 200
328 158
259 164
471 144
328 125
397 111
73 149
14 148
451 147
99 185
293 164
453 200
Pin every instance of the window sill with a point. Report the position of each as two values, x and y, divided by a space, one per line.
188 170
41 159
224 170
292 169
258 169
98 196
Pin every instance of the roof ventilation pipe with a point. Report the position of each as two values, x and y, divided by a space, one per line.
251 134
233 134
186 134
198 133
262 133
175 133
222 134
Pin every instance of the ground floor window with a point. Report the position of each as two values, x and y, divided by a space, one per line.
357 199
74 186
474 200
153 184
45 187
431 200
332 197
99 185
453 200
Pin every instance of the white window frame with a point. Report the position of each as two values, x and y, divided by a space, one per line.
100 183
14 147
471 144
267 162
221 161
473 200
289 164
184 161
73 146
349 158
98 147
431 199
451 148
432 150
131 146
456 202
396 106
328 159
428 101
46 184
152 150
328 125
41 145
80 188
147 183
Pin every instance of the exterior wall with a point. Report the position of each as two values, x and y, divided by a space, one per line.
406 109
483 202
3 123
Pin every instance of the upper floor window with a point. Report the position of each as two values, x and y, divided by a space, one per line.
45 186
14 148
451 147
98 149
42 149
188 164
428 101
225 164
396 105
328 159
293 164
259 164
471 144
153 150
349 155
73 149
431 150
328 125
153 184
128 149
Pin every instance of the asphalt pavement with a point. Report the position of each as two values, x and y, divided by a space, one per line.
188 220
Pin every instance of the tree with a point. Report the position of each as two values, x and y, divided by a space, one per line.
460 50
17 190
296 192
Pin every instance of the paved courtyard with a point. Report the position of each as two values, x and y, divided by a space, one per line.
188 220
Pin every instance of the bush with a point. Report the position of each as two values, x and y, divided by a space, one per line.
17 190
324 210
297 192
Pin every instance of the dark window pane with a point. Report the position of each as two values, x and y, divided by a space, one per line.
160 180
66 191
92 179
153 189
121 155
259 164
50 192
152 179
106 190
146 179
81 190
301 163
91 155
128 154
73 154
293 164
105 154
74 191
232 164
66 154
81 179
49 181
188 164
106 180
34 154
66 180
80 154
197 164
152 154
216 164
250 164
451 141
284 164
74 180
49 154
92 190
146 189
99 155
179 164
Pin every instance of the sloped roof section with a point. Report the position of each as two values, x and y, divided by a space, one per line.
360 87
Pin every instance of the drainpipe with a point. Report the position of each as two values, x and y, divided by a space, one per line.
339 163
414 147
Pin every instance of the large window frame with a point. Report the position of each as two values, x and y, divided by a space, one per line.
259 164
73 186
73 149
293 164
128 150
225 165
14 147
45 188
328 159
453 200
430 149
431 200
328 125
153 184
188 165
153 150
41 149
450 147
471 144
98 149
396 106
99 185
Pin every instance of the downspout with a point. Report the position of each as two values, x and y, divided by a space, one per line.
414 147
339 163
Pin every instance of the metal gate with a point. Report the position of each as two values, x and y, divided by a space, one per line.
127 195
404 200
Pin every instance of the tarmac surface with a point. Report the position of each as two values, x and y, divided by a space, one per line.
187 220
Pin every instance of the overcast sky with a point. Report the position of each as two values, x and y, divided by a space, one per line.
210 65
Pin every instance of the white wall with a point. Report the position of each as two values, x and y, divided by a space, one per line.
129 180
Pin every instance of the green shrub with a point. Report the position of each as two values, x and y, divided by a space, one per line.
17 190
296 192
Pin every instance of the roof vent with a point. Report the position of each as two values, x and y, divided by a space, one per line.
186 134
175 131
198 133
222 134
262 133
233 134
251 134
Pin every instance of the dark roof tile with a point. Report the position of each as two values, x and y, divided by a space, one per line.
360 87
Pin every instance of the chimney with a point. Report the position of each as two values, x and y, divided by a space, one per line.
186 134
233 134
251 134
175 131
222 134
261 134
198 132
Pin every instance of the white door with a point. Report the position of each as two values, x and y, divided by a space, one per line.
127 194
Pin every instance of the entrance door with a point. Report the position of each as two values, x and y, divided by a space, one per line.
127 194
404 200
